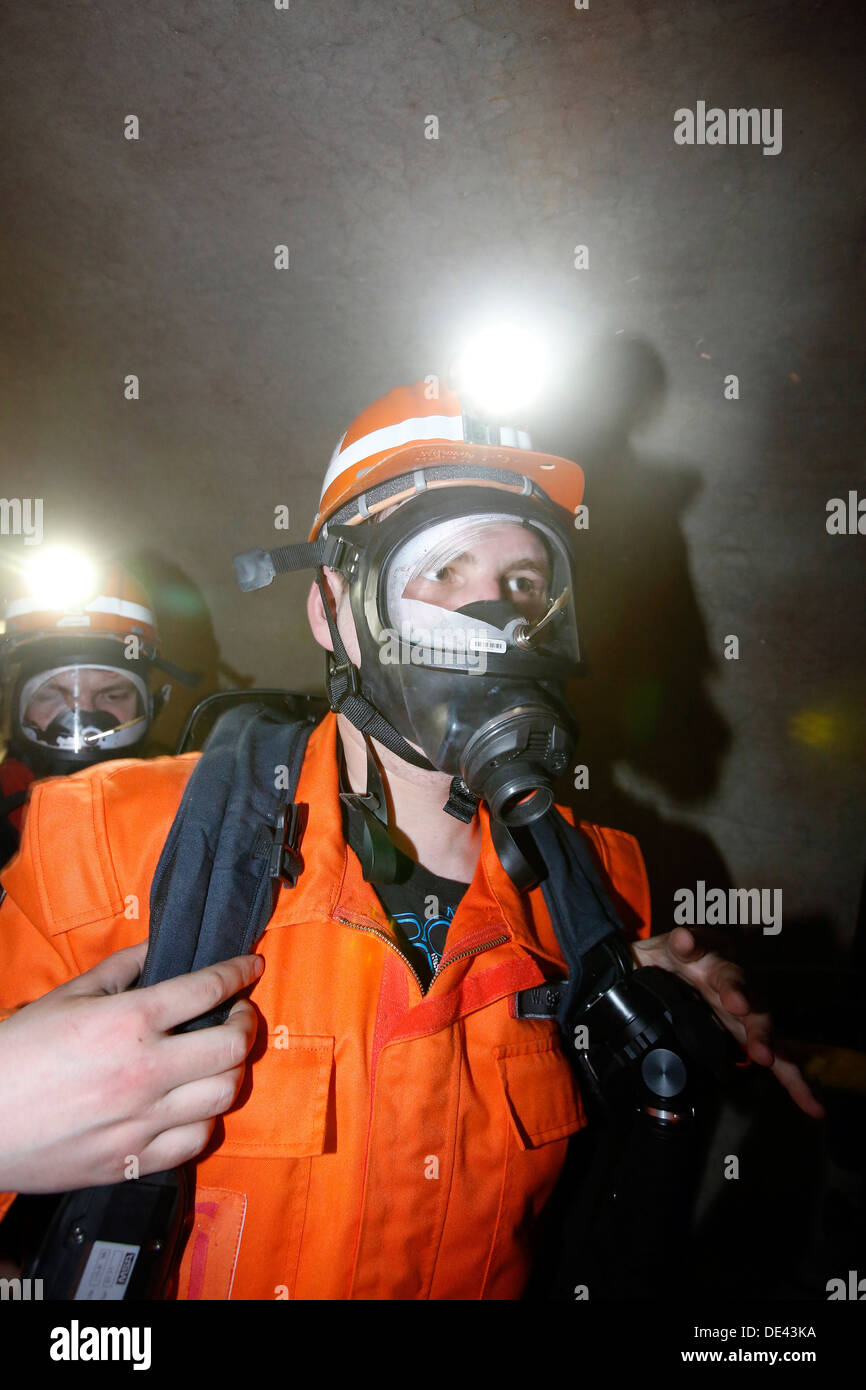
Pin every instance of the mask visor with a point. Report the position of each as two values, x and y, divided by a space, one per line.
81 708
478 587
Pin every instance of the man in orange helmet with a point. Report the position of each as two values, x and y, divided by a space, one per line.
407 1110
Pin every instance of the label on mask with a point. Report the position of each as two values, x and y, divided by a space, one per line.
486 644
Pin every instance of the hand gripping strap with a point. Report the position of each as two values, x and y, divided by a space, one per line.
211 897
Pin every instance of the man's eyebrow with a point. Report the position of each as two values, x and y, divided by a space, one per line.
470 558
529 564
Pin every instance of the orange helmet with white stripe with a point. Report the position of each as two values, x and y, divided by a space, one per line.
118 607
425 435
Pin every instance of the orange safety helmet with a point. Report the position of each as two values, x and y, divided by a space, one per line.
425 431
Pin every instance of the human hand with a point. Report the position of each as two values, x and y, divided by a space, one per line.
91 1074
721 982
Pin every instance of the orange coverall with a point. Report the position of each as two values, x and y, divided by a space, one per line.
385 1144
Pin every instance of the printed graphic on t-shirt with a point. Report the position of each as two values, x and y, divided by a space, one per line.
425 934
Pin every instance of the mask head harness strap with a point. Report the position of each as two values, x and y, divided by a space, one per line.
257 568
345 694
381 860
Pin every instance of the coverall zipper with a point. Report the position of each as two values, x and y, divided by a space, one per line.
444 962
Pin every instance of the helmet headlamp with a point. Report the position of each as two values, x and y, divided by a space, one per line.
501 370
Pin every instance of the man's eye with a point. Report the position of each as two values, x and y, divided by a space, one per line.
523 584
440 576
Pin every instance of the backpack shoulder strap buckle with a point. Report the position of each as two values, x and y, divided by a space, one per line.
285 860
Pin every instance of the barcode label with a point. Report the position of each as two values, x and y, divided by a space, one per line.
107 1272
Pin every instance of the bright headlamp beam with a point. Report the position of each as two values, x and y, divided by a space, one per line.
60 578
502 369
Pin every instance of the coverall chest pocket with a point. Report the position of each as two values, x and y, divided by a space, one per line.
541 1092
286 1100
542 1107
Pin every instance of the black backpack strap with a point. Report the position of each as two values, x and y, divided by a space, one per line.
216 881
580 908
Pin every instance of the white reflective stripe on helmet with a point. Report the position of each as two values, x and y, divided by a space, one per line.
103 603
416 429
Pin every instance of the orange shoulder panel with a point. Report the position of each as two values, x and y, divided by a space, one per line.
87 836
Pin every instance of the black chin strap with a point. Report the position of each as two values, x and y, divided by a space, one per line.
381 860
346 696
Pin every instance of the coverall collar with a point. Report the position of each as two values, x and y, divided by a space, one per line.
332 885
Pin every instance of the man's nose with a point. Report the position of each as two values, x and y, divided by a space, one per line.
479 588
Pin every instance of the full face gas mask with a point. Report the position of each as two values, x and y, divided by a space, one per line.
79 644
72 706
462 600
463 608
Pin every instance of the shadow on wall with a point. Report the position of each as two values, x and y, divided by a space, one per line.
643 700
187 638
643 703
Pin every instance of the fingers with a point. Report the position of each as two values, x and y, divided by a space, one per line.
754 1033
207 1086
177 1001
185 1057
112 975
790 1076
728 981
723 987
684 944
688 945
720 980
198 1100
725 977
750 1036
175 1146
758 1039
